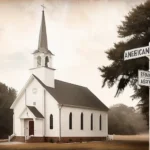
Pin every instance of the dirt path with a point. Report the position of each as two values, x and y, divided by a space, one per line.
11 143
103 145
119 143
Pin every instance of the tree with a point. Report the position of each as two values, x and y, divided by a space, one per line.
7 96
125 120
135 33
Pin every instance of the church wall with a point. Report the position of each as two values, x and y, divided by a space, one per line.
22 127
38 127
45 75
26 125
76 124
39 72
34 93
17 111
49 77
52 108
28 100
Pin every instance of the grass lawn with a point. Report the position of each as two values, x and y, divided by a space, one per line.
120 143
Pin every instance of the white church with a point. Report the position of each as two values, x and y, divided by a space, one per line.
50 110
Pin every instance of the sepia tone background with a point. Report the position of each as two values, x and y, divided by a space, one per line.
79 33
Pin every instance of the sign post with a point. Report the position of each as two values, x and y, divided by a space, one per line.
143 76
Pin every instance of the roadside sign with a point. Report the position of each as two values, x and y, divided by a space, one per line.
143 78
137 52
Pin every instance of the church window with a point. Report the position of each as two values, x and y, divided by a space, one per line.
91 121
100 122
46 61
51 121
81 121
70 121
38 61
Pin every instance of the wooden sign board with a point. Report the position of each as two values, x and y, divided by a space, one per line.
143 78
137 52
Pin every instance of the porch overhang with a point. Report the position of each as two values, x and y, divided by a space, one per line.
31 112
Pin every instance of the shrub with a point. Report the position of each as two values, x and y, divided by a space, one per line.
51 141
80 140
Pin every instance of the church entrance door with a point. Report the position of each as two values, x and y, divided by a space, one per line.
31 128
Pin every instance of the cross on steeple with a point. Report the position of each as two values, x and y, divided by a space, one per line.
43 7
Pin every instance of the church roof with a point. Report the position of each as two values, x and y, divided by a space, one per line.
42 44
35 112
74 95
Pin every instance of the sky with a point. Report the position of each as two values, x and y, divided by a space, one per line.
79 32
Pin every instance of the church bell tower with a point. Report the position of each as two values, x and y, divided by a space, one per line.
43 58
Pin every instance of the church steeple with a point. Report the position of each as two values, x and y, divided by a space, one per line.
42 45
43 67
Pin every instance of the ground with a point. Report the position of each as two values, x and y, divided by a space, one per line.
119 143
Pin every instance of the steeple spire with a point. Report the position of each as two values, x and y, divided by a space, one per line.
42 45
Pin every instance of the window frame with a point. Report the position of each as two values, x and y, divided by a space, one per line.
91 121
70 121
82 121
39 60
46 61
51 122
100 122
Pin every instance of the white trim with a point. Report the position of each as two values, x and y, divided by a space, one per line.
44 121
42 67
84 107
38 118
26 110
22 91
10 137
60 107
34 117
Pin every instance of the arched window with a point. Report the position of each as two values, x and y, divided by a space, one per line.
51 121
70 121
91 121
81 121
38 61
46 61
100 122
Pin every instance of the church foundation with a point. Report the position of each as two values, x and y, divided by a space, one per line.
66 139
56 139
18 139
